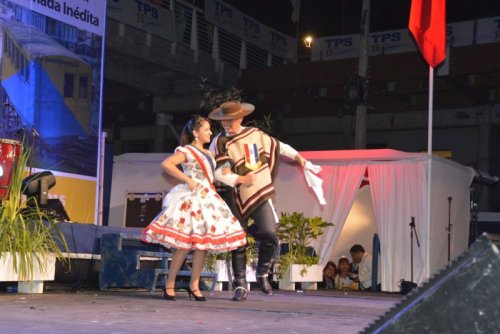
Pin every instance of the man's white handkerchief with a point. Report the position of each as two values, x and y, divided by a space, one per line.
314 181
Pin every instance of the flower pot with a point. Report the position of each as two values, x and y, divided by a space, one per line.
34 283
221 270
295 274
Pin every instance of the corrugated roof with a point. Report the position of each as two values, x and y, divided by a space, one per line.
35 42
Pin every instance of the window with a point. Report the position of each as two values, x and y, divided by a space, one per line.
21 64
83 88
9 47
16 58
68 85
6 44
26 69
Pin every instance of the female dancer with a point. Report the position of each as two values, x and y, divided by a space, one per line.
194 216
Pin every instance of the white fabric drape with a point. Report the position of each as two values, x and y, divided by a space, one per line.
397 189
341 183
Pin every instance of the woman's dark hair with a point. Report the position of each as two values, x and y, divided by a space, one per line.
330 264
194 123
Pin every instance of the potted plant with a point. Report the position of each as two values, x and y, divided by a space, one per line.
30 241
299 264
221 264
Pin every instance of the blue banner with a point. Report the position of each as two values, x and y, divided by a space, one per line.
51 73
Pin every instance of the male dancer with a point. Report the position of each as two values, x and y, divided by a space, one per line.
250 155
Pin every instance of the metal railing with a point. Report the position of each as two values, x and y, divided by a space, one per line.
230 45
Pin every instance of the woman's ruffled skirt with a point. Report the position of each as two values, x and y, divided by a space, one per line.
198 219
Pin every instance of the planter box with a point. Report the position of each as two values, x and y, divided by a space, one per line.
308 281
35 284
221 270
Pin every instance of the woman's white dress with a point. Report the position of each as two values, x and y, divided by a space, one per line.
195 219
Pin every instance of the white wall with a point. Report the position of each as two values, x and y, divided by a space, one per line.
135 173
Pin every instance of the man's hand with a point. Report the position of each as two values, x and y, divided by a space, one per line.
300 160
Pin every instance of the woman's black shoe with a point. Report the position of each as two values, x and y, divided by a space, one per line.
167 296
197 298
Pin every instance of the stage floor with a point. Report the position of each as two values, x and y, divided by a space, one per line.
59 310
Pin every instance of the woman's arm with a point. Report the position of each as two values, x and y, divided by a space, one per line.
170 164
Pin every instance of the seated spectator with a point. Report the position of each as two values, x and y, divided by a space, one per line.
362 266
329 274
345 280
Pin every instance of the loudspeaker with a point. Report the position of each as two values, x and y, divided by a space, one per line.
461 298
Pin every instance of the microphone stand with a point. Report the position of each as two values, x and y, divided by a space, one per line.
412 229
449 228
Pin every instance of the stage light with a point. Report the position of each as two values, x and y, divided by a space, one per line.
37 185
36 188
308 41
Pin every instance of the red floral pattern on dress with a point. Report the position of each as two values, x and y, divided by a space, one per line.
185 206
195 219
204 192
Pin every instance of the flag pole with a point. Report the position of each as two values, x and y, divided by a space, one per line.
430 108
429 153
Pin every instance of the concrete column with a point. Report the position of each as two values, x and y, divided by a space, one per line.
361 109
162 122
173 46
215 48
194 35
269 60
243 55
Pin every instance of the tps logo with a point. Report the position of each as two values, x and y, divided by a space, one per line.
382 42
386 37
251 27
222 11
339 42
278 40
145 11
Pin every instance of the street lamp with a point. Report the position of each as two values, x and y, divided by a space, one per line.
308 41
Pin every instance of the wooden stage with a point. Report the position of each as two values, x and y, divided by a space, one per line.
59 310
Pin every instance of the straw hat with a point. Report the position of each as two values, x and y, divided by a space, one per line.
231 110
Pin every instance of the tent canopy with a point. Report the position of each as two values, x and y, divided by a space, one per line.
398 186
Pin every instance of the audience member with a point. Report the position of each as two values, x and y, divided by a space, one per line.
329 275
345 280
362 266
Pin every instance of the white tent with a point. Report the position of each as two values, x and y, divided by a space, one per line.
398 187
397 192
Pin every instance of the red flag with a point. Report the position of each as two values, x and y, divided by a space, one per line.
428 26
